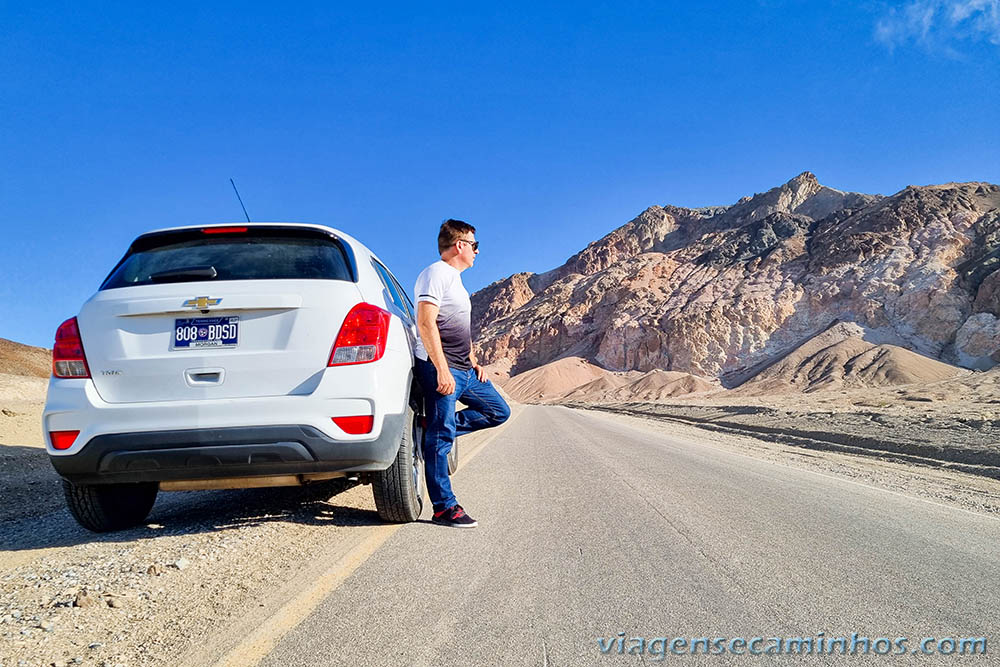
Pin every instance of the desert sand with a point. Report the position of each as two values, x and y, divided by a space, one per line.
840 357
657 385
24 374
21 401
836 391
552 380
838 362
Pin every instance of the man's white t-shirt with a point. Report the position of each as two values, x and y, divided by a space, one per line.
441 284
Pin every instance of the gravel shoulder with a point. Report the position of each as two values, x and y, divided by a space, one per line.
914 425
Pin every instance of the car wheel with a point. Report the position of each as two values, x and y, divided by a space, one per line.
399 489
106 507
453 457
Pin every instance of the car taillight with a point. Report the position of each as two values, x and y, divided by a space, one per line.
68 359
63 439
355 425
362 337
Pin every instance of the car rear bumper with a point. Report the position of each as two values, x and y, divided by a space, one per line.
75 405
212 453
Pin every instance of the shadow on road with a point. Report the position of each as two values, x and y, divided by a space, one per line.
29 485
180 513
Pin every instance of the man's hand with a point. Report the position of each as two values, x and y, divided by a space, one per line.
427 326
480 372
446 382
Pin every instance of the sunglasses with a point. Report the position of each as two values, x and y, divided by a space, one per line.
474 244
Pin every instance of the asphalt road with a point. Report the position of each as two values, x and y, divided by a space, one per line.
590 527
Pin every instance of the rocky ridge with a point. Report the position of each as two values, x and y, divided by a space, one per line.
24 360
718 292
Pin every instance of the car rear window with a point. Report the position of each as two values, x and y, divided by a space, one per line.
257 254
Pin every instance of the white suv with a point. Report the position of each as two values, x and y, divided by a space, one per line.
264 354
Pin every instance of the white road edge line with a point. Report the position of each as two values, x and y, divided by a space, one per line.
252 650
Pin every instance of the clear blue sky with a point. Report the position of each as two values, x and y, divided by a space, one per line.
545 125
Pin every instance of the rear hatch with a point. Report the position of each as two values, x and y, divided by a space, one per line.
219 312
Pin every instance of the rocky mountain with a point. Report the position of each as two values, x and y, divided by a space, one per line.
26 360
721 292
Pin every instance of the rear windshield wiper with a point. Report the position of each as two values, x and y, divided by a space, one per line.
185 274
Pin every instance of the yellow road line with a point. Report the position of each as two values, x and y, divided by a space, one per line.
258 645
252 650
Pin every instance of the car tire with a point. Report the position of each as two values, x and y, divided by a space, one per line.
105 507
453 457
399 489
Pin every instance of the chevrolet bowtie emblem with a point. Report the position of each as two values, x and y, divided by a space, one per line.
201 302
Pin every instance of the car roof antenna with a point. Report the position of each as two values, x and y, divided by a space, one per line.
241 199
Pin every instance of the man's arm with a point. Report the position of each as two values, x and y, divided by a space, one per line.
431 338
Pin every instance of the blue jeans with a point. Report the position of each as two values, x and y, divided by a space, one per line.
486 408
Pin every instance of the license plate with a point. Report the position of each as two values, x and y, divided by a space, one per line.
198 332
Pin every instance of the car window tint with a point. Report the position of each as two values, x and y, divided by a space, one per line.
406 297
388 282
242 257
383 274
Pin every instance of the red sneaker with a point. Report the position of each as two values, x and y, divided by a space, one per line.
454 516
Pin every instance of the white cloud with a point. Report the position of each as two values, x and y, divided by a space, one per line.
939 24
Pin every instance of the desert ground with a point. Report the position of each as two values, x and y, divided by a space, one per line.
953 421
210 566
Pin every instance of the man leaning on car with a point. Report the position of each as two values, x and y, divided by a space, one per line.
446 367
